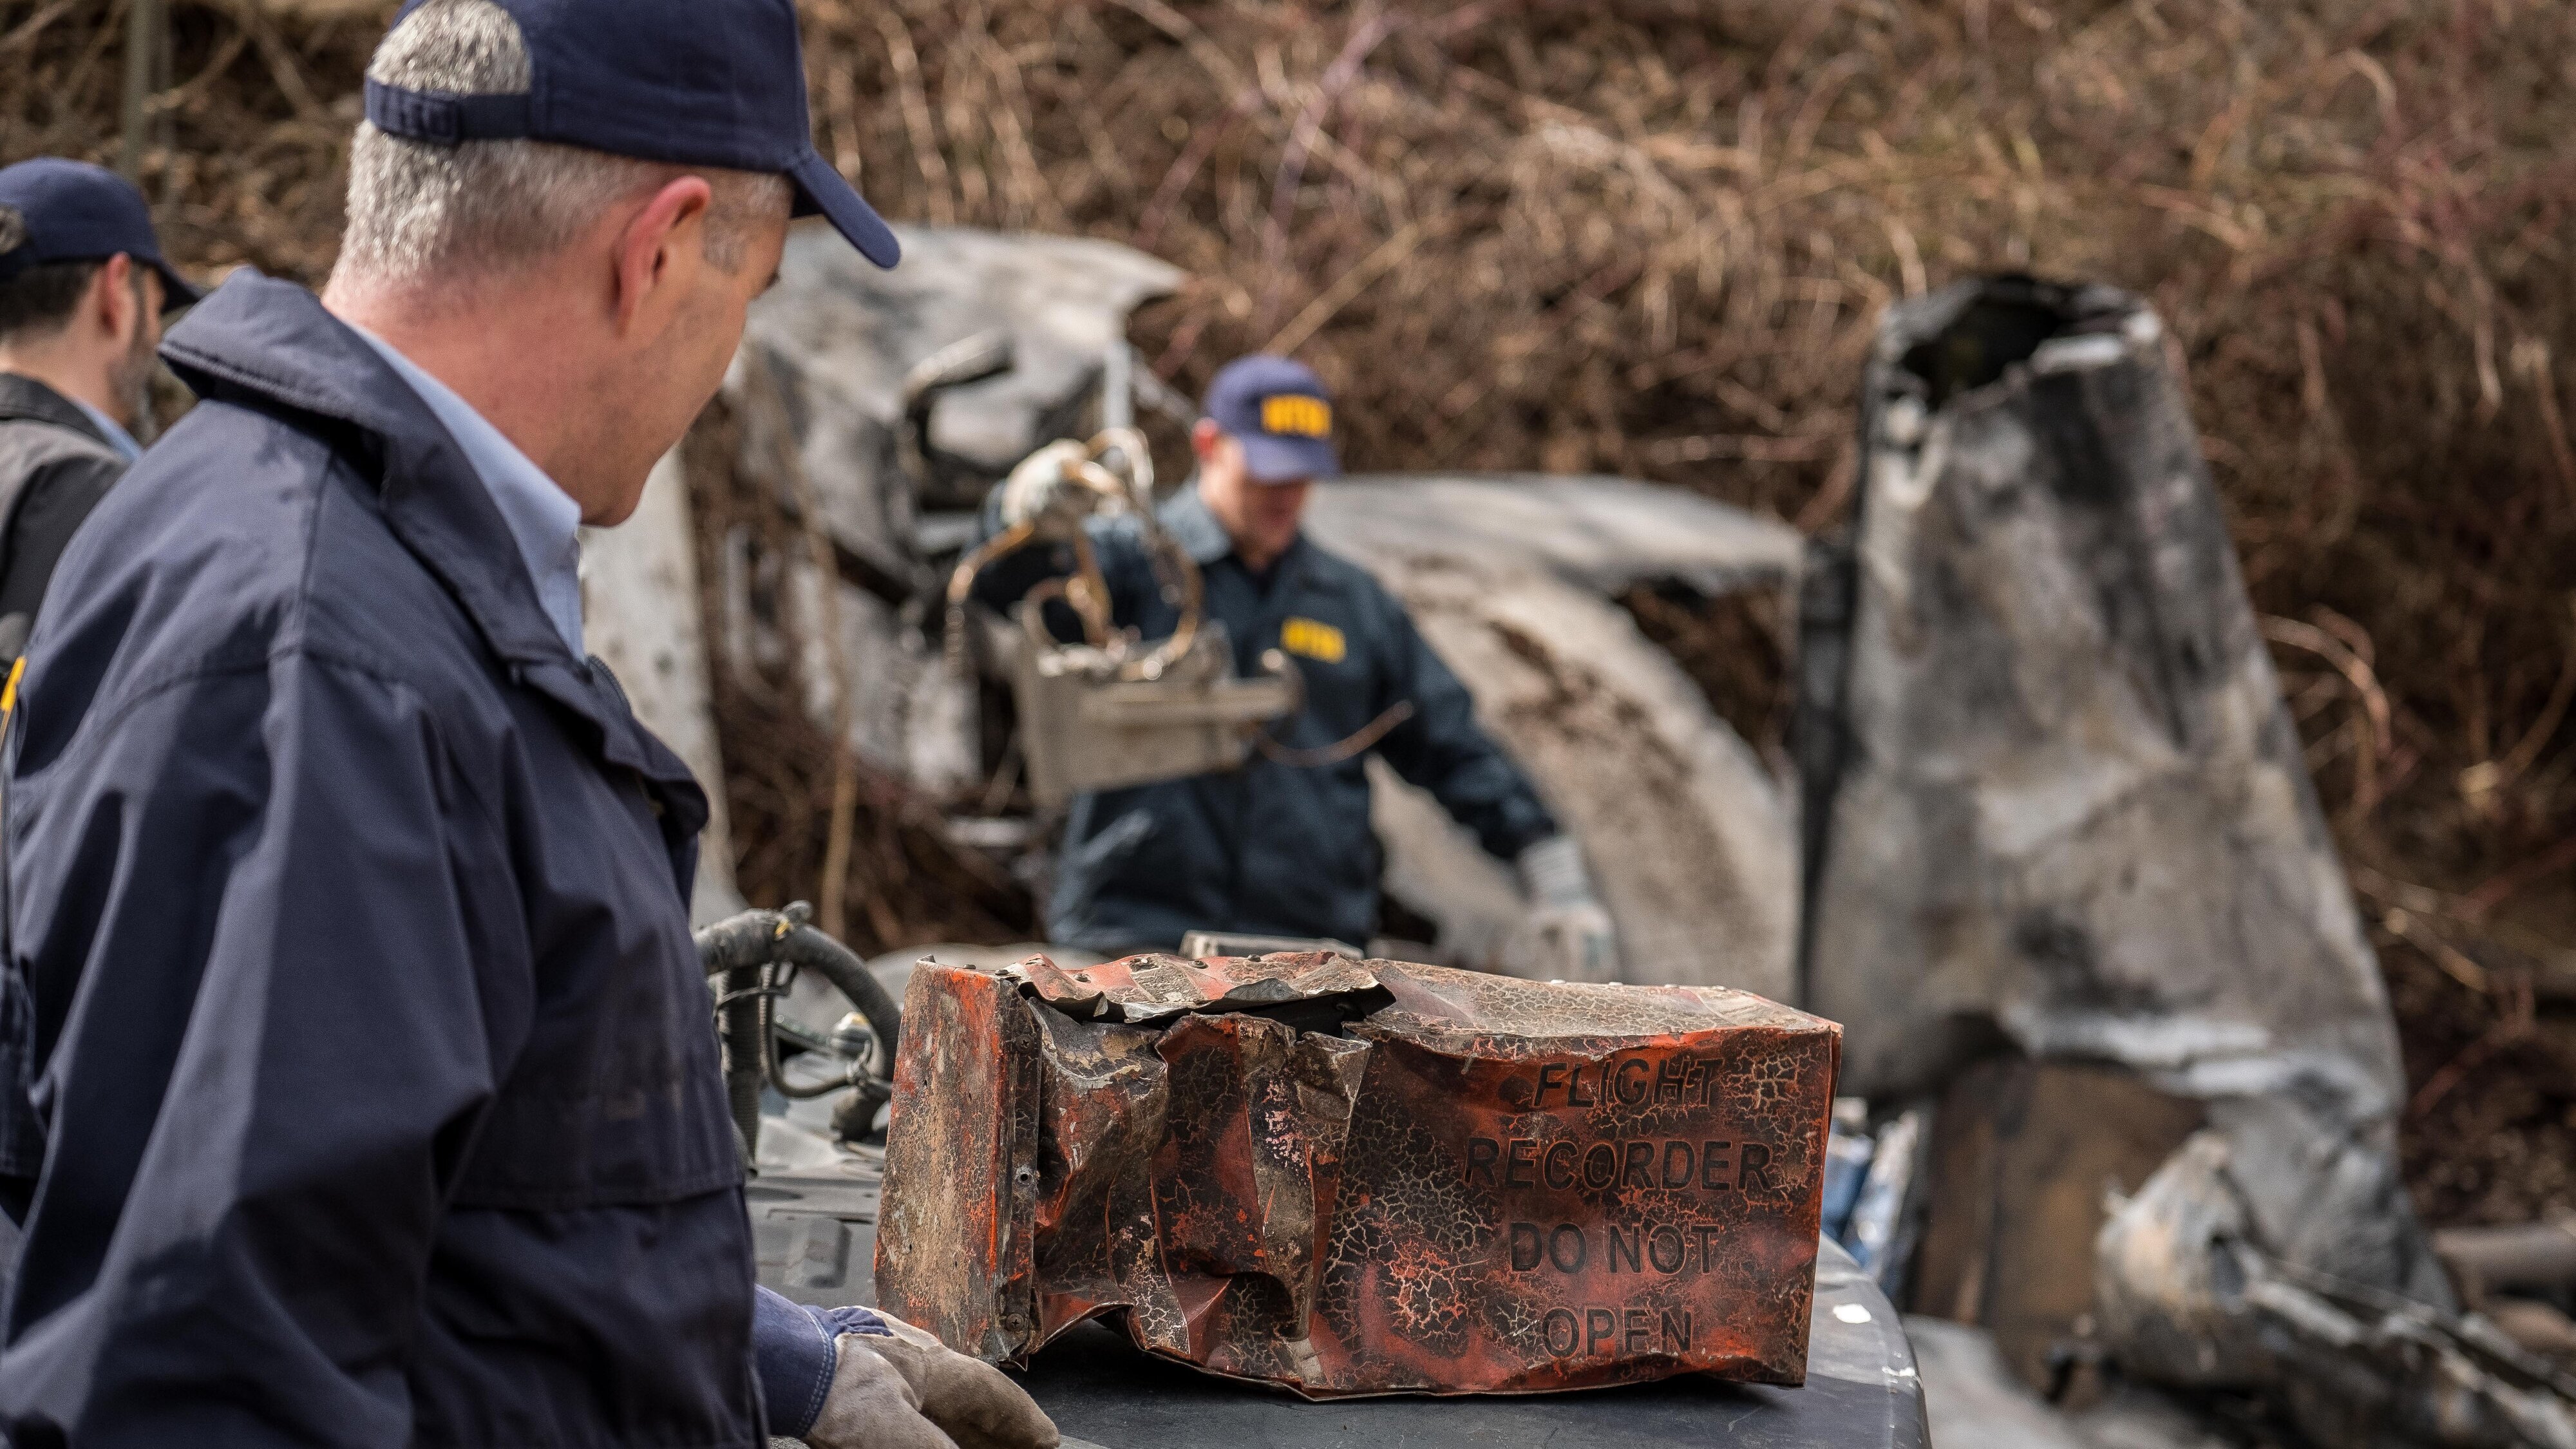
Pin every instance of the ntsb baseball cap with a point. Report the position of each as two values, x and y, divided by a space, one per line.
1280 412
716 83
71 211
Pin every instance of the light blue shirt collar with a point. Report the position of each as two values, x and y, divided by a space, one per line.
1186 518
108 428
544 521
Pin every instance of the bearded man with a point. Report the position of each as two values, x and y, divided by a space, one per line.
82 291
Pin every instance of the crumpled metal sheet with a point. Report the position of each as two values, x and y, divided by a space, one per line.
2055 795
2058 788
1359 1178
2190 1298
1151 988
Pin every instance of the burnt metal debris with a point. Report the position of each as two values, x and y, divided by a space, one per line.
2070 890
1350 1177
2192 1298
2055 799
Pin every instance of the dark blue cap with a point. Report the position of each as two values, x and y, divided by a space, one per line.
716 83
1280 412
76 212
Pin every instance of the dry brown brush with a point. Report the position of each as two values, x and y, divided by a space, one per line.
1650 236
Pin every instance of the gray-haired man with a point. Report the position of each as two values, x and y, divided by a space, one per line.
366 1089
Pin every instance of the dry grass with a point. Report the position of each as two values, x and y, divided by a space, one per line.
1650 237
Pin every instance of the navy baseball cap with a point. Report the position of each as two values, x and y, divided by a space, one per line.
72 211
1282 415
690 82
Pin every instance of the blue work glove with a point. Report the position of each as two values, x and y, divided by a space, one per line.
792 1347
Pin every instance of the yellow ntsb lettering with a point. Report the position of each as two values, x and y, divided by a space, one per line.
1298 416
1317 641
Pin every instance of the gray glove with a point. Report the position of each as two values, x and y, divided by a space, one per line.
1043 493
907 1390
1576 941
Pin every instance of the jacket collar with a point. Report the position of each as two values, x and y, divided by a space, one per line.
23 397
271 345
1186 518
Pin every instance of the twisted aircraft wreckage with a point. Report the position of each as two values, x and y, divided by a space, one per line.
2040 839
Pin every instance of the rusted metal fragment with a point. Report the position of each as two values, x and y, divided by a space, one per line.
1365 1178
1155 987
965 1194
1073 998
1107 1095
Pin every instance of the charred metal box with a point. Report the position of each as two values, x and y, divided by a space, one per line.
1356 1177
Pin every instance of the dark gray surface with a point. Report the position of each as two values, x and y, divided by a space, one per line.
1098 1388
816 1236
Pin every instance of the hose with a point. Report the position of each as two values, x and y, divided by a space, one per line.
1176 571
1349 747
961 584
744 951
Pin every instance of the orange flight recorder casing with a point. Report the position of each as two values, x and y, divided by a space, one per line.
1353 1178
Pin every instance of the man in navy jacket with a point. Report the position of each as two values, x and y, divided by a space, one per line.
1282 846
82 290
362 1082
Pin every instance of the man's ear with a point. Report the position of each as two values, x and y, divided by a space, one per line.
659 251
115 300
1205 436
